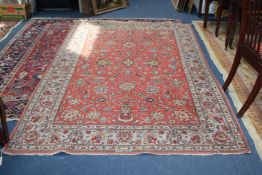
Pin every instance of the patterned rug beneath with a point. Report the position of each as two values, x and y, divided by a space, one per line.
122 87
245 77
5 27
25 60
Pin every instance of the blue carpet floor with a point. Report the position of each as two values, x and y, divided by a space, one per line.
63 164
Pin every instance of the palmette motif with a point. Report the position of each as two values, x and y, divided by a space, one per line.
128 87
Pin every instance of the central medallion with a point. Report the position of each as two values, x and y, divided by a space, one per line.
129 44
128 62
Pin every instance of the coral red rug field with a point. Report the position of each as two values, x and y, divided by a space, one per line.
126 87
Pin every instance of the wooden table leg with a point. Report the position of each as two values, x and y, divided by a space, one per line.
234 26
219 14
87 7
200 8
206 12
231 17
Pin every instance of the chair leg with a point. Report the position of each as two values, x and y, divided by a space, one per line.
229 25
233 70
206 13
251 96
233 29
219 15
231 18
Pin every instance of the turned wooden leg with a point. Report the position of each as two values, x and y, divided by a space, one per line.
233 70
252 95
206 12
219 15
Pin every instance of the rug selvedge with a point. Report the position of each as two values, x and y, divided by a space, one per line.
65 112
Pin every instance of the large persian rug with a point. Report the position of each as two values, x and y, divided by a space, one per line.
120 87
245 78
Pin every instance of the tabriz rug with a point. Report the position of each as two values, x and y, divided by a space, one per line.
243 81
126 87
6 27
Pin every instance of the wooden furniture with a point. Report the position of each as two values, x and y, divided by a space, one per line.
190 5
95 7
200 8
221 7
4 136
102 6
235 8
87 7
233 18
208 2
249 47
